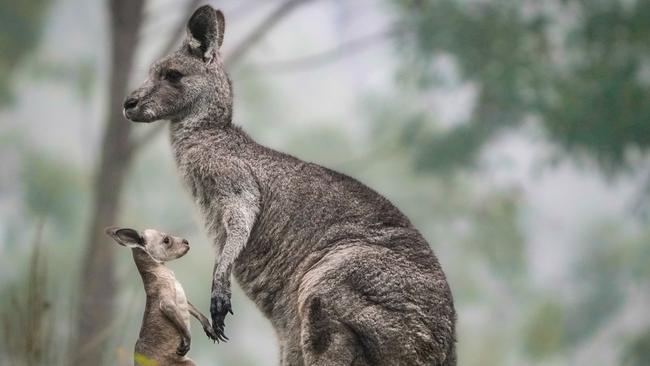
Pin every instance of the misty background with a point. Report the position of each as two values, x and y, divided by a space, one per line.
514 134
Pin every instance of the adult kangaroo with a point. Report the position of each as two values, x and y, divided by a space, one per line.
343 275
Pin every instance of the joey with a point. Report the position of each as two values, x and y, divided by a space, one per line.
165 332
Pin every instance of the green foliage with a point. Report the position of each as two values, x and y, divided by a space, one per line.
443 152
487 352
498 238
142 360
544 332
601 104
610 262
493 47
21 24
585 81
637 352
53 190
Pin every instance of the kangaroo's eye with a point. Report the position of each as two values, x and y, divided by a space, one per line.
166 241
172 75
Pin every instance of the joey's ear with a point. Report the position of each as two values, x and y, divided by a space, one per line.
205 32
125 236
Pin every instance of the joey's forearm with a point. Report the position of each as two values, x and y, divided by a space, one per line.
205 322
196 313
171 312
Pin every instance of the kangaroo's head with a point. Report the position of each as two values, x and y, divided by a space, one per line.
190 82
160 246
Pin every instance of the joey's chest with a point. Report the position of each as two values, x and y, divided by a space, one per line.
179 295
174 292
175 289
167 288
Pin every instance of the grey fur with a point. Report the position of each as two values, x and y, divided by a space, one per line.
165 332
342 274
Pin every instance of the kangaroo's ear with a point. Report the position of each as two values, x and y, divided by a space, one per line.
125 236
205 32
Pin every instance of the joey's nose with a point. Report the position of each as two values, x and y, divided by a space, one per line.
130 103
186 242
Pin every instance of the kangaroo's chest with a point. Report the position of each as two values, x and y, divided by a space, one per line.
195 164
203 180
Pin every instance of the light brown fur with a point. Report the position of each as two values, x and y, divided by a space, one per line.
165 332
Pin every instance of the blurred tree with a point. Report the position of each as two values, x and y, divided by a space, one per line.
97 278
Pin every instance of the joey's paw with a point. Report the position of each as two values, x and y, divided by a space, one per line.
209 331
219 307
183 348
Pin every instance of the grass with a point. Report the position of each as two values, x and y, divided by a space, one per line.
27 320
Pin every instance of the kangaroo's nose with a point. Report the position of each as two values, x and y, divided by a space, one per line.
130 103
186 242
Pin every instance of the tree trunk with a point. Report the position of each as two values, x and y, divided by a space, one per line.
97 292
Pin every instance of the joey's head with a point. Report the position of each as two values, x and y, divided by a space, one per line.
191 82
160 246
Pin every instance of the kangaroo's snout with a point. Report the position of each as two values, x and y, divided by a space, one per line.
139 106
132 108
130 102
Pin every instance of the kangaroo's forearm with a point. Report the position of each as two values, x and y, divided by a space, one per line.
237 222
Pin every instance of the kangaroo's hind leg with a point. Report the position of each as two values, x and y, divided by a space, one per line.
327 340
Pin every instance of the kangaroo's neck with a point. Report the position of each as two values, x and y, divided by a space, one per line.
200 123
205 113
204 131
149 269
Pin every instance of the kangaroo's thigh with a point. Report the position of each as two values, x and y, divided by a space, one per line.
326 340
291 353
367 306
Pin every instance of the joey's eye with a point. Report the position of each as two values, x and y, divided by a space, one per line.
166 241
172 75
